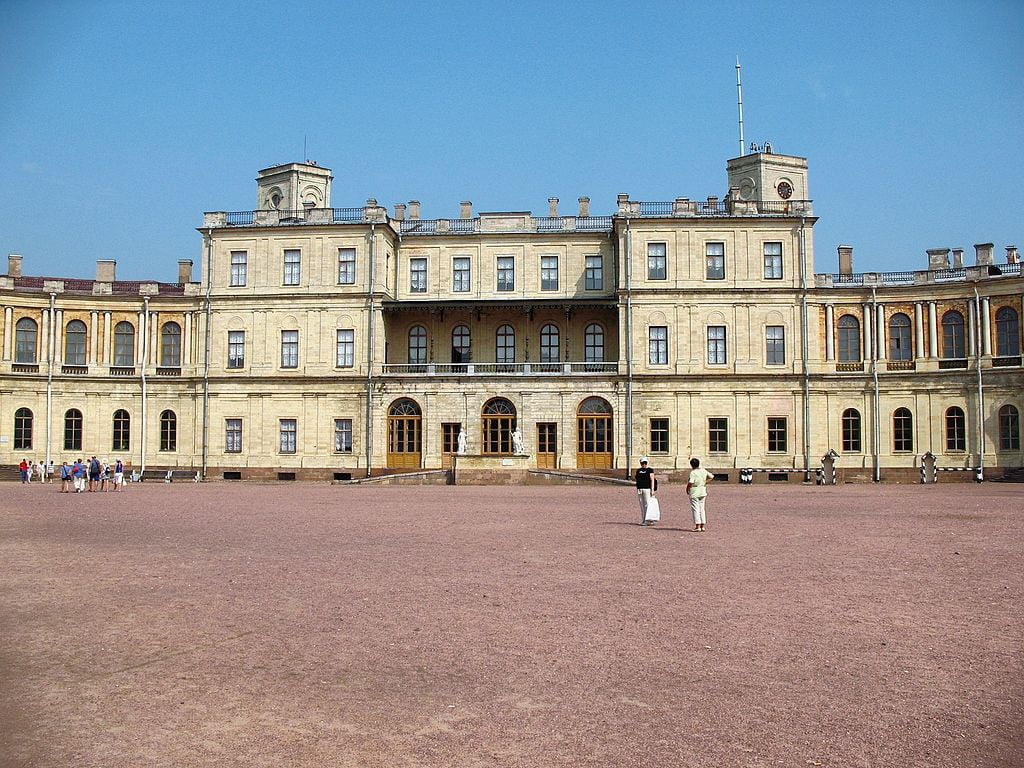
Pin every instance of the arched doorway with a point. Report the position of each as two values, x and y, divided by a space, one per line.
498 422
594 434
405 435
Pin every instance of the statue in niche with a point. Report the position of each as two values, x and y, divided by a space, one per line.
462 442
517 441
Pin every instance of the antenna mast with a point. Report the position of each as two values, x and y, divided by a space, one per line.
739 102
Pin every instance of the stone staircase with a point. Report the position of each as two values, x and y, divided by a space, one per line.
1012 476
9 473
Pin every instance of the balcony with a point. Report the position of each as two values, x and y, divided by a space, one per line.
499 369
919 277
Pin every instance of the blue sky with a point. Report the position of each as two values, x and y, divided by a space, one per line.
120 123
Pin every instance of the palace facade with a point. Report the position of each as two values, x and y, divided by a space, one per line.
337 343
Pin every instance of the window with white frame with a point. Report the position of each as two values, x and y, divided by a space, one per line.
289 432
343 435
461 275
717 352
236 349
417 275
289 349
346 266
775 345
773 261
292 266
346 348
506 273
239 268
549 273
232 435
714 255
657 261
657 345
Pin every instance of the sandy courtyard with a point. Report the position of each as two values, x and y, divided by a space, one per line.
311 625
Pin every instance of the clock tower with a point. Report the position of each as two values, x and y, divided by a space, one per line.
764 176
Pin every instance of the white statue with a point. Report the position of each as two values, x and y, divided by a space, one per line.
462 442
517 441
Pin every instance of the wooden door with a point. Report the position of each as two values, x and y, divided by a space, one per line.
547 445
594 441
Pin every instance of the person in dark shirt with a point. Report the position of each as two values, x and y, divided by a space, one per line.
646 485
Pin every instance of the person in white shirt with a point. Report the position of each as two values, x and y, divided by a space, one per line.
697 488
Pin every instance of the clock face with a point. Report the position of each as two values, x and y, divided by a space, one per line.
785 190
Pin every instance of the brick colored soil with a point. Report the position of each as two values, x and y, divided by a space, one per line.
307 625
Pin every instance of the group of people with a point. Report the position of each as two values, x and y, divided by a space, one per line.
696 489
92 475
28 468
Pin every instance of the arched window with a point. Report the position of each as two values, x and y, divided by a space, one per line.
498 422
956 429
73 430
849 339
505 346
168 431
405 434
549 344
1007 332
122 431
851 431
953 347
593 348
124 345
1009 428
170 345
902 430
25 334
900 344
417 345
22 429
74 343
460 345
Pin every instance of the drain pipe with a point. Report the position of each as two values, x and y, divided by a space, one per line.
804 351
981 393
206 350
142 369
51 341
874 375
369 358
629 353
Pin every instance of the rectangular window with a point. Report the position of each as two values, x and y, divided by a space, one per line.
288 433
716 345
549 273
289 349
239 267
506 273
715 255
775 345
292 266
659 435
773 261
346 266
595 273
461 274
656 261
346 348
236 349
657 343
718 435
417 275
777 434
233 435
343 435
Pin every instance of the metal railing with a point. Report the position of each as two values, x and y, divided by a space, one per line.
648 208
418 227
499 369
346 214
240 218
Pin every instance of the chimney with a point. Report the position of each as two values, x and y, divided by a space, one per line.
584 207
553 207
845 259
1011 254
184 270
465 210
106 270
958 258
984 253
13 265
414 210
399 211
622 201
938 258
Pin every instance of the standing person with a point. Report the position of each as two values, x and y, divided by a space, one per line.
118 475
94 472
646 484
65 478
697 488
24 469
49 471
40 470
78 475
103 476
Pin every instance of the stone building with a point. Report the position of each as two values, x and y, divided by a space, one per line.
334 343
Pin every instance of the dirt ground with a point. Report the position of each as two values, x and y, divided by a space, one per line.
314 625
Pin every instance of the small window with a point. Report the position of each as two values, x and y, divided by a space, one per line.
239 268
849 339
714 254
549 273
346 266
773 261
718 435
1009 428
775 345
594 273
289 349
292 266
777 434
23 429
717 350
343 435
236 349
461 275
657 268
956 429
233 435
168 431
851 431
902 431
346 348
506 273
289 430
659 435
122 431
657 345
417 275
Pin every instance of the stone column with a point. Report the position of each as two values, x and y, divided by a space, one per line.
986 327
108 348
972 326
154 338
58 335
918 330
830 343
186 341
880 331
43 354
933 335
8 329
138 339
867 333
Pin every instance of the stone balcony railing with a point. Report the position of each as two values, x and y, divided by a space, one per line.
498 369
919 277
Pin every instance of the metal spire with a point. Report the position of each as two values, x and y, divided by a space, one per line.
739 96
